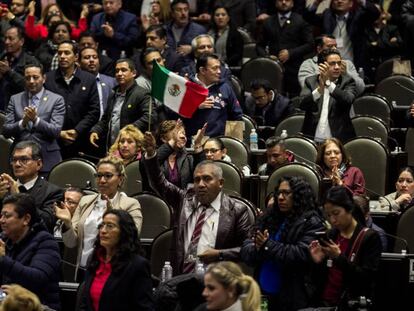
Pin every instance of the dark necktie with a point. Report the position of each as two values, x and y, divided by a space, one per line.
282 21
22 189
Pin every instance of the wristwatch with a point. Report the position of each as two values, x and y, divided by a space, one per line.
221 256
327 83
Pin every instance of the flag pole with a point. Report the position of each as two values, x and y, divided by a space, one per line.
150 115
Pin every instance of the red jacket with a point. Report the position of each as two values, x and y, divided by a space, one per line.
40 31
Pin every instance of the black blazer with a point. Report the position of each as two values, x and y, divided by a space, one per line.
295 36
234 46
339 106
45 194
131 289
134 110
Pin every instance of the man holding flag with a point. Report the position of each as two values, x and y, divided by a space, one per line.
190 99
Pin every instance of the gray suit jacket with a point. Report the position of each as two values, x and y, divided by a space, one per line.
51 112
107 84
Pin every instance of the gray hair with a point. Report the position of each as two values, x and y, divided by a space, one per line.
217 170
194 43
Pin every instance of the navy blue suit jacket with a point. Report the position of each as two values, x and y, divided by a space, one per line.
126 33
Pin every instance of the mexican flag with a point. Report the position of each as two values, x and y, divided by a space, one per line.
176 92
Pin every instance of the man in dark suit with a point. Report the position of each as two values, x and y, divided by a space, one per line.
287 38
26 162
327 100
129 104
12 62
89 61
181 30
79 90
115 29
347 25
36 114
107 65
208 224
266 105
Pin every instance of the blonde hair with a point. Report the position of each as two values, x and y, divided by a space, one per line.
229 274
132 131
20 299
117 163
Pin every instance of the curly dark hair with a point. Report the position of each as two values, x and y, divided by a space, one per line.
304 201
128 245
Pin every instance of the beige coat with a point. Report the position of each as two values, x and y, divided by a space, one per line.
74 236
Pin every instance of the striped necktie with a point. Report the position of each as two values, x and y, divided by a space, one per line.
195 238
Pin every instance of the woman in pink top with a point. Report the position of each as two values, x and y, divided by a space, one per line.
40 30
118 277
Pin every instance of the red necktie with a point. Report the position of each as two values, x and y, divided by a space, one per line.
192 247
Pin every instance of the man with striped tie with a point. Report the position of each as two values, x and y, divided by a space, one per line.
209 226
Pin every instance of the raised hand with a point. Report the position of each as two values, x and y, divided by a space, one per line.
149 144
62 212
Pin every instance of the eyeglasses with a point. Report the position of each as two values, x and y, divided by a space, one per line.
22 160
106 176
284 193
211 150
108 226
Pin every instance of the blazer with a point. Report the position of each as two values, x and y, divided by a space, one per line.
233 228
13 81
356 22
295 36
131 289
81 99
126 32
234 45
107 84
45 195
276 111
340 103
73 236
51 113
242 12
134 110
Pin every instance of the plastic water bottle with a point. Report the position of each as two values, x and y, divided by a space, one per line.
254 139
200 269
123 54
284 134
166 273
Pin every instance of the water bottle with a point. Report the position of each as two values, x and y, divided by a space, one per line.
200 269
254 139
166 273
123 54
284 134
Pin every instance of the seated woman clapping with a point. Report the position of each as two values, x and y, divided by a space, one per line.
336 165
80 230
117 277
